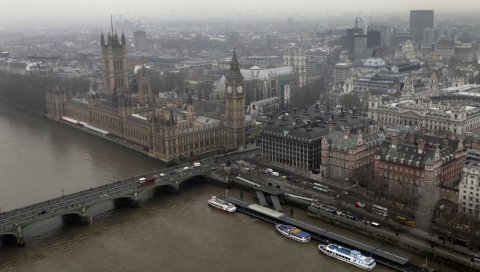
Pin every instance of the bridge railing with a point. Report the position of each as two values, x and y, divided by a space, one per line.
33 209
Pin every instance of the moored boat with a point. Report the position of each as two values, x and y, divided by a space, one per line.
347 255
293 233
221 204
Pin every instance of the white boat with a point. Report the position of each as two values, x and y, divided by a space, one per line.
221 204
348 255
293 233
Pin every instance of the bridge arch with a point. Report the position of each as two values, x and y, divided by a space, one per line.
9 237
126 200
188 178
76 217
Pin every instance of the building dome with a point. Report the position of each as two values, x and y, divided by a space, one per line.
374 62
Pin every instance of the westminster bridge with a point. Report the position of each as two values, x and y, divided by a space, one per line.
76 207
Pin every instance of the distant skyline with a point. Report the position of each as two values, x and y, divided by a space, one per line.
24 13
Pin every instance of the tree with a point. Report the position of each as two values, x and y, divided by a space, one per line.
308 95
350 101
362 175
377 185
29 90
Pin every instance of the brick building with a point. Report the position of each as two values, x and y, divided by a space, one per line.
294 139
419 160
345 151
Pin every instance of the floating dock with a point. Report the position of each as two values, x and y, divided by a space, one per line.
383 257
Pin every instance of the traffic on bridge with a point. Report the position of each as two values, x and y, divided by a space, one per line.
75 206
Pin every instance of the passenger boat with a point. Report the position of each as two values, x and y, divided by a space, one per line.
348 255
221 204
293 233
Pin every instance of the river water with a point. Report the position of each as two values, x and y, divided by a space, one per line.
41 159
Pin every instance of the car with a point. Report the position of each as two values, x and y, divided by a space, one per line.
186 168
359 204
43 212
350 216
375 225
162 174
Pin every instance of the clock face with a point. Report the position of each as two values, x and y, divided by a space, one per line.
229 89
239 89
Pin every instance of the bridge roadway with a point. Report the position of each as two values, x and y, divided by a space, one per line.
75 207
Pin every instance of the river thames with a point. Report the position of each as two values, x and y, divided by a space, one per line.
42 159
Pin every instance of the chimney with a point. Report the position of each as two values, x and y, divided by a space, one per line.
422 130
421 146
347 132
411 138
445 143
395 140
331 127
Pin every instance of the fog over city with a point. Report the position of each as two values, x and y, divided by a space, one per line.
350 126
80 11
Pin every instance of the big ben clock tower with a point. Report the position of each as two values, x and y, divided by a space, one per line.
235 106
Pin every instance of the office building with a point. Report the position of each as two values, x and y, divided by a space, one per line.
469 190
139 40
419 20
374 39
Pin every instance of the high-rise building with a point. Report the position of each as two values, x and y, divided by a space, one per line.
350 39
360 50
114 52
139 40
385 32
419 20
373 38
235 106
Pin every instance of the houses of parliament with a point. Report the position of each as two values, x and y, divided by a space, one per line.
168 129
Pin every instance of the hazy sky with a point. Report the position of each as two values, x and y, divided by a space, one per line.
16 11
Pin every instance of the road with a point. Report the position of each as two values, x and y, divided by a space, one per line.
75 201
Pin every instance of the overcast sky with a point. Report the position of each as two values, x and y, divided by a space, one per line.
18 11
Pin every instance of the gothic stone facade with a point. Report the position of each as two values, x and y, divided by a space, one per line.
168 130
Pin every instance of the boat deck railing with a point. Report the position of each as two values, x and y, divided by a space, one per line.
383 257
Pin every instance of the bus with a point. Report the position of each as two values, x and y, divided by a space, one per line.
319 185
321 189
147 181
406 221
379 210
459 240
476 258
